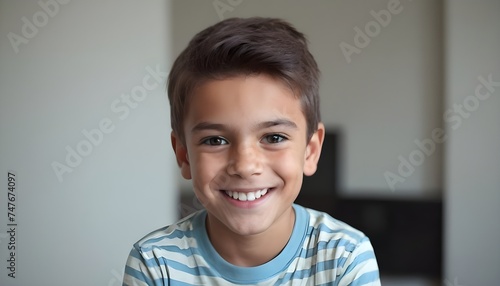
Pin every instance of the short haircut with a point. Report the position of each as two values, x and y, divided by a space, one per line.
245 46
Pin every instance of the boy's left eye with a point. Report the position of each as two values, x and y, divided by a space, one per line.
274 138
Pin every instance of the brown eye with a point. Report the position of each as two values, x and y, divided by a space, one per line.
274 138
214 141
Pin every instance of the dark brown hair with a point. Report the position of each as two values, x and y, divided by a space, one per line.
248 46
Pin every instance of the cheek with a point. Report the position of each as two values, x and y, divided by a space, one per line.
288 164
207 169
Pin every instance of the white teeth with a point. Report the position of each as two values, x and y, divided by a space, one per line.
251 196
248 196
242 197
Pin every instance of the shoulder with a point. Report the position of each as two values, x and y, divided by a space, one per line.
325 227
331 240
166 252
179 234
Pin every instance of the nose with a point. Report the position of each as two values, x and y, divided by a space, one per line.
245 161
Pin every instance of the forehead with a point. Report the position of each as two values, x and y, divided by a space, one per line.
243 100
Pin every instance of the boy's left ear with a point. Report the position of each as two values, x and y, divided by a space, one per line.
313 150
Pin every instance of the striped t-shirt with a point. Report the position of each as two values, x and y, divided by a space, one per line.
321 251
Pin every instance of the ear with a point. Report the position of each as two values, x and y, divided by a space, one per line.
181 155
313 150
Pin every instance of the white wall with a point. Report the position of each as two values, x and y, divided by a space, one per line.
62 80
383 99
472 181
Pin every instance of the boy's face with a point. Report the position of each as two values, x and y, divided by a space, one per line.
246 151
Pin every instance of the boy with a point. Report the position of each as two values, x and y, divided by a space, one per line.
246 128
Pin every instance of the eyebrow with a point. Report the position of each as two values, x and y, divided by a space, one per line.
278 122
262 125
208 126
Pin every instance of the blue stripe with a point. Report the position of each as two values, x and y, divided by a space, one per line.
196 271
169 248
139 275
150 263
360 258
368 277
177 233
318 267
356 235
325 245
155 262
178 283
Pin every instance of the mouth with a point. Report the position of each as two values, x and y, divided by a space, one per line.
247 196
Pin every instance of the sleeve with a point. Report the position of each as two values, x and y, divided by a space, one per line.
360 268
141 270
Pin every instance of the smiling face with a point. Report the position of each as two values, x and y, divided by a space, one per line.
246 151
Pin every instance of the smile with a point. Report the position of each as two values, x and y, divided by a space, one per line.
247 196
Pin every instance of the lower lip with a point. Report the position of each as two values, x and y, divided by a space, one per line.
248 204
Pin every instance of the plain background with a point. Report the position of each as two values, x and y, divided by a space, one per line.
395 91
63 81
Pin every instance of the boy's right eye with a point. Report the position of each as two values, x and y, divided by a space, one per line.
214 141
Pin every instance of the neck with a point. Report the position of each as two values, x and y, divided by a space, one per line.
251 250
